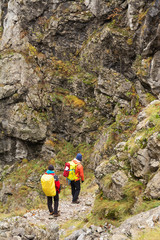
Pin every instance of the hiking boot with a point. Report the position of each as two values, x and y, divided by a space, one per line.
76 202
57 214
51 213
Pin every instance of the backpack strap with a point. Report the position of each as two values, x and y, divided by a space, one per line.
55 177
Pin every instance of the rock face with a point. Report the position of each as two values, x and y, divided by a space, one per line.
152 189
93 50
140 155
82 71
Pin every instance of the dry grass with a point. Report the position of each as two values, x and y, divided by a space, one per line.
151 234
74 101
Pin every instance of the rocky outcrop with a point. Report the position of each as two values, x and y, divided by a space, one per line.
132 226
19 228
140 164
147 159
109 92
91 51
129 229
111 186
139 155
152 189
81 72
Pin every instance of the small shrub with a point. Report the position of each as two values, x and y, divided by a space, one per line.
130 41
158 137
74 101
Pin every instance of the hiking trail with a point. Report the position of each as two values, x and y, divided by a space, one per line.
67 210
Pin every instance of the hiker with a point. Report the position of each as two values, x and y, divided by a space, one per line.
56 197
75 184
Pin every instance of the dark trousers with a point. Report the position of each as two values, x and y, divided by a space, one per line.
75 187
56 203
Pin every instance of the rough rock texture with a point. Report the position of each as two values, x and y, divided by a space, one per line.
147 159
129 229
131 226
140 155
102 42
20 228
38 224
81 72
140 165
113 188
152 189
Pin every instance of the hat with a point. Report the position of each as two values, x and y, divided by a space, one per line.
50 167
79 157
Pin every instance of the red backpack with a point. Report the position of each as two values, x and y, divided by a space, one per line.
66 169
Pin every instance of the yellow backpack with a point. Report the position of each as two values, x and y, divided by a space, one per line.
48 185
72 175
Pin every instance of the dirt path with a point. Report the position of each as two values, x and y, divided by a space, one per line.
67 211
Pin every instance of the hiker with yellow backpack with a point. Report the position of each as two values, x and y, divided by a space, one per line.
75 183
51 188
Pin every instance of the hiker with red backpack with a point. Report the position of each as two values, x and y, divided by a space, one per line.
75 184
51 188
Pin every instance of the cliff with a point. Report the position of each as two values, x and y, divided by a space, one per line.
81 76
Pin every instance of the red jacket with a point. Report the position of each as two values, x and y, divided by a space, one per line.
57 182
79 170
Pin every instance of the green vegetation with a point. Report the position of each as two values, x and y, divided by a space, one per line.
150 97
24 182
24 169
13 213
90 185
32 50
151 234
145 205
70 226
70 70
67 100
25 179
130 41
139 140
66 152
141 66
132 190
125 32
118 129
74 101
107 210
116 212
133 201
141 16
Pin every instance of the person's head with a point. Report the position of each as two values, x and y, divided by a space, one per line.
79 157
51 167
